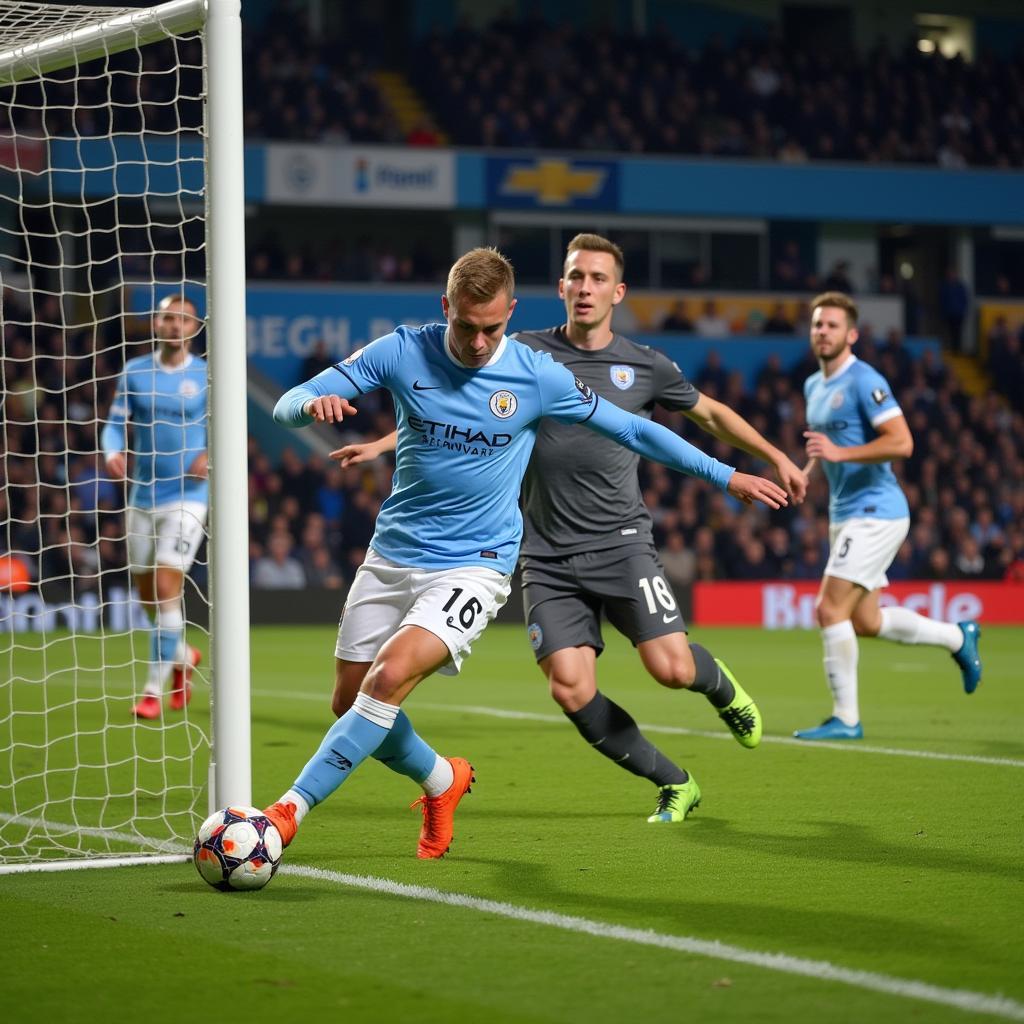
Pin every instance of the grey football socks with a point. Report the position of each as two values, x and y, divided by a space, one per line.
710 680
612 731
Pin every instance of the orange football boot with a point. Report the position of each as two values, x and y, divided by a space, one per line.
283 818
181 687
439 811
148 707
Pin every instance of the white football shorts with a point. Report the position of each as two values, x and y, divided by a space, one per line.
862 549
453 604
167 535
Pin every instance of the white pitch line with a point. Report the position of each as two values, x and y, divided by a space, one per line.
783 963
819 970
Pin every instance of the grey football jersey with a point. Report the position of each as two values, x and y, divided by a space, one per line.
581 492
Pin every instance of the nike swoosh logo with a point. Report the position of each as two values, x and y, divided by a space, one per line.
417 386
669 618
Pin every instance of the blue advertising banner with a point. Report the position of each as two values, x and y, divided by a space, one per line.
552 183
130 165
285 323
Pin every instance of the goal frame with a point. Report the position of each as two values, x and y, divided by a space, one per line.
230 765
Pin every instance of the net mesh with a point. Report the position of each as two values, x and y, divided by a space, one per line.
102 193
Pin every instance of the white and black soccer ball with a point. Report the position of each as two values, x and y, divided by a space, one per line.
237 849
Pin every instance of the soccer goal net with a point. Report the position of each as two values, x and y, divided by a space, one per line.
106 207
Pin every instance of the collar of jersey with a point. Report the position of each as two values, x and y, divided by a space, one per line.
173 369
498 352
842 369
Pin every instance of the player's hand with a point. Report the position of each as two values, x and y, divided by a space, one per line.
200 466
117 465
792 478
755 488
355 454
329 409
818 446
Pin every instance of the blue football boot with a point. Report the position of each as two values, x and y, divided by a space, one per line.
967 657
831 729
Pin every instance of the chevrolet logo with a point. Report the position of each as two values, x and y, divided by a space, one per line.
553 182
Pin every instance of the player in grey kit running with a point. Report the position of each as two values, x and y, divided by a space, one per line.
587 543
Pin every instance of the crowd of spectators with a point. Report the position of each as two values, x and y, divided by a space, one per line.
519 83
525 83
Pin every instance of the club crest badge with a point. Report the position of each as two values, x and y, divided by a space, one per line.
623 377
535 635
503 404
188 389
837 400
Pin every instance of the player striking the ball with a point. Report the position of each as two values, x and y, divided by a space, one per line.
468 402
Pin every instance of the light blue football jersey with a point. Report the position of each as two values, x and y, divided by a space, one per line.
167 411
847 407
465 437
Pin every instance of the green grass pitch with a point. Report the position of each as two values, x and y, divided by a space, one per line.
876 857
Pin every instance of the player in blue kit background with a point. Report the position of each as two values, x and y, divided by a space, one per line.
468 401
163 397
856 428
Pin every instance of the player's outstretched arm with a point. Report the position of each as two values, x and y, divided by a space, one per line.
367 451
656 442
728 425
311 402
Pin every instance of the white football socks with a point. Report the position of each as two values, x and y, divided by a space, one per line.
299 802
440 779
907 627
840 643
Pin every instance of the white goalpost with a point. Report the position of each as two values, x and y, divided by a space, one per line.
121 183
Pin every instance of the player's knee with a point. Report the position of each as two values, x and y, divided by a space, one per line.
828 614
384 681
570 693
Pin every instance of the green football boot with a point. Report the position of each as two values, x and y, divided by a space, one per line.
676 802
742 716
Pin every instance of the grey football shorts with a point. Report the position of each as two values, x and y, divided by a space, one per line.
563 598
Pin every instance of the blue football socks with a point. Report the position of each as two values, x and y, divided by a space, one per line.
404 752
354 737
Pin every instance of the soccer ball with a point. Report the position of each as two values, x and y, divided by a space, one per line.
238 848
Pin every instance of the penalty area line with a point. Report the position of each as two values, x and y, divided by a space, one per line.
818 970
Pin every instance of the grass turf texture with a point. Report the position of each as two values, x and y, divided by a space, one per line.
900 866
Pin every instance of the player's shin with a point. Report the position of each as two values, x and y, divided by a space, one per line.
405 752
907 627
353 738
709 679
612 731
841 655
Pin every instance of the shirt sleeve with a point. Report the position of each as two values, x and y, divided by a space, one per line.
671 388
114 437
566 398
653 441
364 371
876 399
